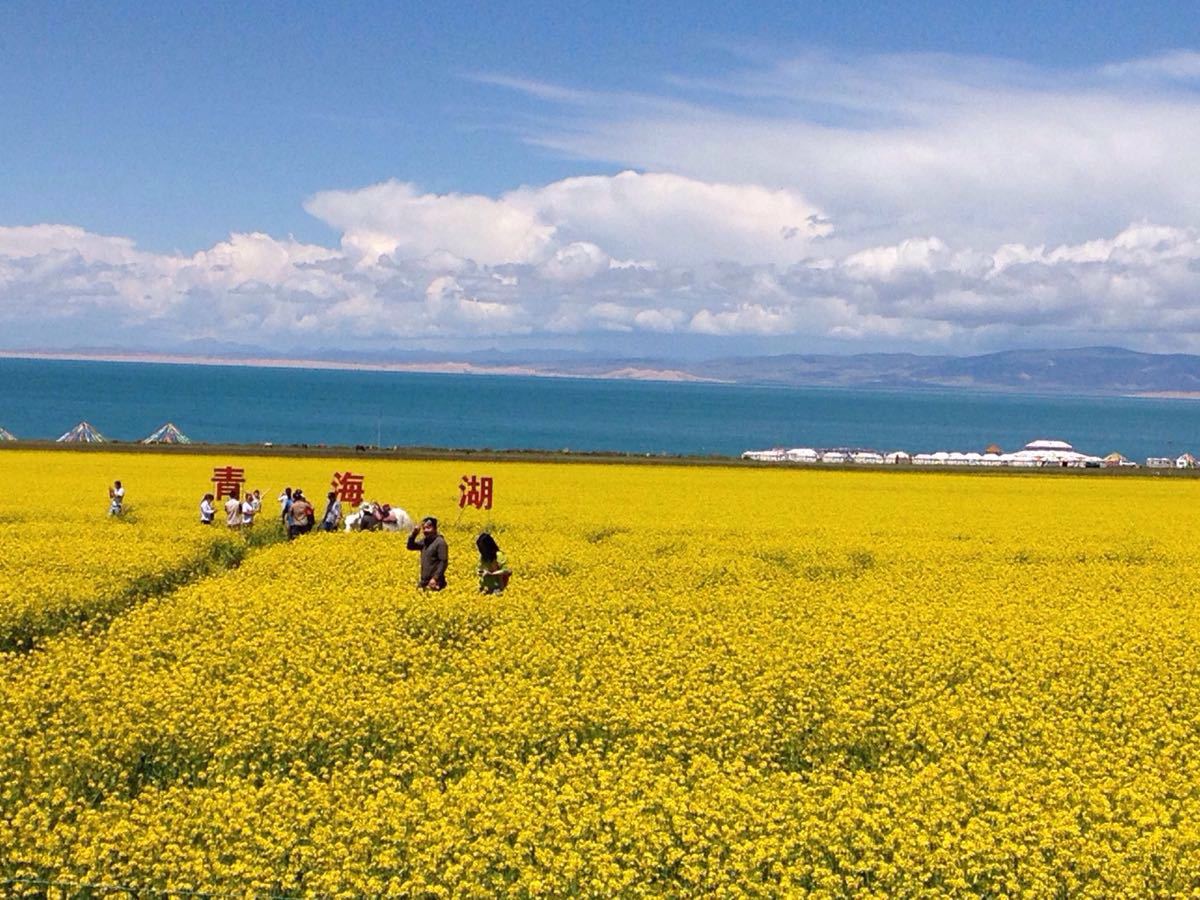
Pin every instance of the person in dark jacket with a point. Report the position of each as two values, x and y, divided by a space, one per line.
435 554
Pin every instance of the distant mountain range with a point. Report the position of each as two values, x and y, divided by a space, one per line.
1087 370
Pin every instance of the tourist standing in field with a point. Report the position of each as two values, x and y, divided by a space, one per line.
256 501
300 514
233 510
248 510
333 512
285 505
493 565
435 554
207 511
116 497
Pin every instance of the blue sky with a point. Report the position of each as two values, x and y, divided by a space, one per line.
180 129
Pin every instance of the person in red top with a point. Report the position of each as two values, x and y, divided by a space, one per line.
301 515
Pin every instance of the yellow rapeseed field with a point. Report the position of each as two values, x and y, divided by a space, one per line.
63 565
701 681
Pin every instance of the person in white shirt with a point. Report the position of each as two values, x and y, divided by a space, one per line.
116 496
207 510
285 504
248 511
233 510
333 513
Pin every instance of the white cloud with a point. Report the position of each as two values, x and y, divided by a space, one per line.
1181 65
665 320
984 151
679 221
915 202
662 218
575 262
918 254
746 318
1139 286
394 219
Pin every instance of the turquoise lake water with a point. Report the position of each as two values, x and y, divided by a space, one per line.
126 401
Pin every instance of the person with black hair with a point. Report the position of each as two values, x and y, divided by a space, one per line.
300 514
207 510
333 512
435 554
116 497
285 506
493 565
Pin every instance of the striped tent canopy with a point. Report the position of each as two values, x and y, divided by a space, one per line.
83 433
7 435
168 434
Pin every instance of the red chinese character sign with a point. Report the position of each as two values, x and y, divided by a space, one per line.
349 487
476 491
227 480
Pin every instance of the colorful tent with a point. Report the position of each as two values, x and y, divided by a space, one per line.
83 433
168 434
7 435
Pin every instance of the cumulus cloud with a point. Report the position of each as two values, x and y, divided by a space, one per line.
661 216
892 146
894 202
394 219
1138 286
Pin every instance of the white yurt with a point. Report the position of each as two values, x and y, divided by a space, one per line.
867 457
803 454
1044 445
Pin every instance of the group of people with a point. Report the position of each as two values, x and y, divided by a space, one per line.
299 517
294 508
239 511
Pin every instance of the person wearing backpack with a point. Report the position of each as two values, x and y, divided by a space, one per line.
301 514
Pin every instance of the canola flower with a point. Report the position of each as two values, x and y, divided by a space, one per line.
62 567
701 681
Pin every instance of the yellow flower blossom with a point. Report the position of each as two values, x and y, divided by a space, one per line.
701 681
